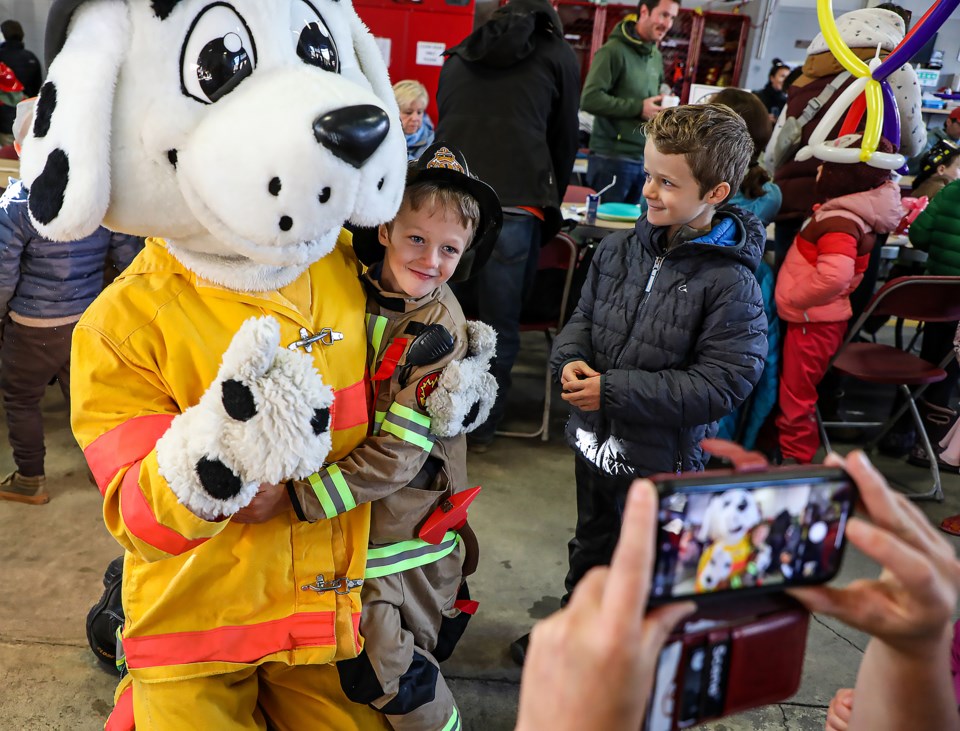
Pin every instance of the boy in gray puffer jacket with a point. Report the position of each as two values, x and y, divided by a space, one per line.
44 288
670 334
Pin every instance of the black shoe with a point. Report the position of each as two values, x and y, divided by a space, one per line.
896 444
518 649
106 617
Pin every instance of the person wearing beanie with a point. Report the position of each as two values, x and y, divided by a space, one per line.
949 132
863 31
940 167
823 267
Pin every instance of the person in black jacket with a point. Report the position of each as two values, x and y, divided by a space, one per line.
669 335
508 98
23 62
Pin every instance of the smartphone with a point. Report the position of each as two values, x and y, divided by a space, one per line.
725 532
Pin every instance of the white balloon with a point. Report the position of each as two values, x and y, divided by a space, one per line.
851 155
836 110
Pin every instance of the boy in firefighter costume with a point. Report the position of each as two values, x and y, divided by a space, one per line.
231 353
430 374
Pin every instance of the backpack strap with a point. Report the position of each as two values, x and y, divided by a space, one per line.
820 101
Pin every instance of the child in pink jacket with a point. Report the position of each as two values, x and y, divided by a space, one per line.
823 266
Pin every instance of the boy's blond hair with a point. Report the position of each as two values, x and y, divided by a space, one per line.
713 138
451 201
408 91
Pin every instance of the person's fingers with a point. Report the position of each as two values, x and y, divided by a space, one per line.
659 623
575 386
589 371
908 564
589 588
632 563
878 499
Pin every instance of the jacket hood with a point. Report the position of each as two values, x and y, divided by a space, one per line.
623 33
510 35
879 208
736 234
865 28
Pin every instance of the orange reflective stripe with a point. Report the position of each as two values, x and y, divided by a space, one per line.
242 644
123 445
139 519
349 407
121 718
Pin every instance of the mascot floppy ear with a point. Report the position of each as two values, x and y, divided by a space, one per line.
373 213
66 157
710 517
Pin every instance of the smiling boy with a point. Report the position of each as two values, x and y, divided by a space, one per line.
669 334
415 603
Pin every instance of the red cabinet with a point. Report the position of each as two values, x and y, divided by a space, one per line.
701 48
413 35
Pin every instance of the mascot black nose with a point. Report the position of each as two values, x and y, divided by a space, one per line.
352 134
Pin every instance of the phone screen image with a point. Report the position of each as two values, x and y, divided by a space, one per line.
742 535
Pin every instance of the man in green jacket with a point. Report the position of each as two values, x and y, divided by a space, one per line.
622 92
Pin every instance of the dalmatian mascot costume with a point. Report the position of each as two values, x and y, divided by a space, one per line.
241 135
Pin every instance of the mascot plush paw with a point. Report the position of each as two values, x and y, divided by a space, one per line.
265 418
466 391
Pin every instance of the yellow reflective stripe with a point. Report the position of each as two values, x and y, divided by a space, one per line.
399 557
378 417
339 483
405 412
407 435
454 723
320 490
376 326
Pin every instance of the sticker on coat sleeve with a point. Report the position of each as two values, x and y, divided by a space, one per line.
425 386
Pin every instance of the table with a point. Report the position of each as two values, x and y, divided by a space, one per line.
575 212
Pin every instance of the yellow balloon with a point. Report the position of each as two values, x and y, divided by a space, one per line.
871 132
836 44
856 66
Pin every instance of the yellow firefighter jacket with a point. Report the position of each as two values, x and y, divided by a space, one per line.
201 597
402 466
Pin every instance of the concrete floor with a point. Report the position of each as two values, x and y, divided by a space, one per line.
52 558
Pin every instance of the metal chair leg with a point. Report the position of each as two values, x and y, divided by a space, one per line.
937 492
824 439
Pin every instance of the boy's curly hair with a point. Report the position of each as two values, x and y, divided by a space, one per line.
713 138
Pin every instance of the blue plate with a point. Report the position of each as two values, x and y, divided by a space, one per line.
618 212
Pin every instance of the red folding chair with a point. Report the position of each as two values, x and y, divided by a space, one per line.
577 194
560 253
921 298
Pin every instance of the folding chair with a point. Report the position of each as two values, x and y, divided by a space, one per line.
577 194
921 298
560 253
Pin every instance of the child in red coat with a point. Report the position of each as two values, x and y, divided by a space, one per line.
824 265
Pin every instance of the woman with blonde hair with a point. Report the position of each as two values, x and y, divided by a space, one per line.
412 98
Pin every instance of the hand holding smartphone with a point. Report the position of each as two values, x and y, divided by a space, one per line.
724 533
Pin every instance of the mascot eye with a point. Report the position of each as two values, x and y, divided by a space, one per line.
315 43
218 54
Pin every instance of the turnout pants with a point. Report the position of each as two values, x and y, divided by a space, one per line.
273 696
807 349
410 623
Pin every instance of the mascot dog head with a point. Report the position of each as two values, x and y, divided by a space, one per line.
245 132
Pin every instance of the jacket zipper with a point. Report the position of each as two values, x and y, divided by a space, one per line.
657 264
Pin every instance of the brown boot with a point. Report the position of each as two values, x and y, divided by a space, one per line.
937 421
20 489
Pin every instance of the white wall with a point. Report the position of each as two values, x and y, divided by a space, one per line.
796 20
32 15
